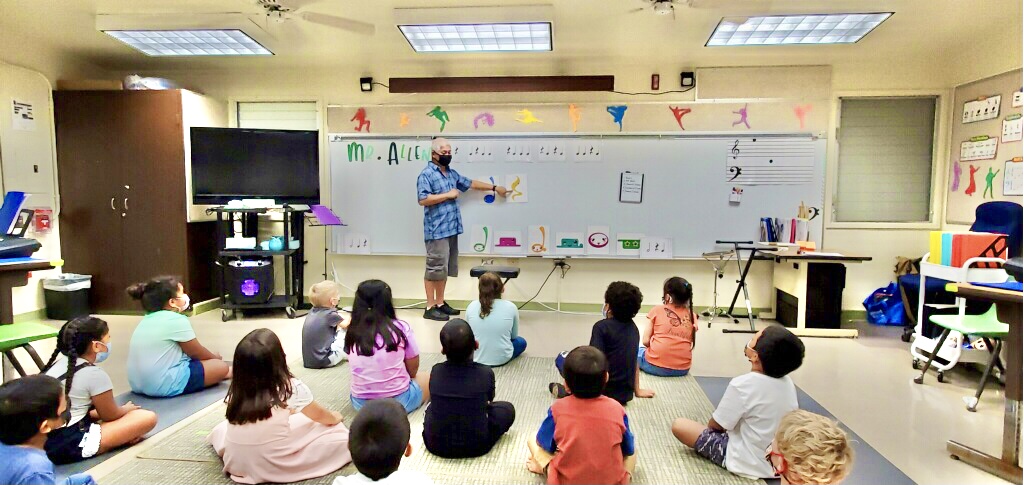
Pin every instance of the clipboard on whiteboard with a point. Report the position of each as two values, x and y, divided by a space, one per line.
631 187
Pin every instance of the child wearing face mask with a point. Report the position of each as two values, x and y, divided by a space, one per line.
746 419
94 423
164 357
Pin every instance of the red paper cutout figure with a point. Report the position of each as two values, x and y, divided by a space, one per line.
361 118
972 187
801 113
679 113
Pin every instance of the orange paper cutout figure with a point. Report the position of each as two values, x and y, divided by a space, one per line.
361 118
679 113
403 120
972 187
801 113
575 115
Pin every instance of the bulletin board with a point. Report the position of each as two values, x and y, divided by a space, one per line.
985 149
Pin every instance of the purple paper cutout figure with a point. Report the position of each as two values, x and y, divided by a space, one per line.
487 118
956 177
617 112
743 117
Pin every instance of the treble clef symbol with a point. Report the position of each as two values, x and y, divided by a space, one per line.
735 170
735 148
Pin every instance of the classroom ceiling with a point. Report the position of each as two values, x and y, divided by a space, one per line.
586 32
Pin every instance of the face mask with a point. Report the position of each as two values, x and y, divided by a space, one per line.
184 307
101 356
444 160
604 311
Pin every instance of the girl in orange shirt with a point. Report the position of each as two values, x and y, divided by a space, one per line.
667 343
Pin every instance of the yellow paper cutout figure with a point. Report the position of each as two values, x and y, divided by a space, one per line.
525 117
575 114
403 120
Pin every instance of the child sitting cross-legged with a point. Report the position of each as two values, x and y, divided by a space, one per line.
671 333
742 427
463 420
585 437
323 331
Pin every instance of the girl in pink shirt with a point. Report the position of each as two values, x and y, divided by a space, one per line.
667 342
382 351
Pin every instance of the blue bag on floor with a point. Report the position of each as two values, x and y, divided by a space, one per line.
885 306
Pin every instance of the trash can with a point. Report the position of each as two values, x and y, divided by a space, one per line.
67 296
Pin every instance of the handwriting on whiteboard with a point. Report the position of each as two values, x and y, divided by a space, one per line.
769 161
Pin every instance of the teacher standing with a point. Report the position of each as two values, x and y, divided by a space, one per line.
438 187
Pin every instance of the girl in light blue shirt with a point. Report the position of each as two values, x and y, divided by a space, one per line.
495 323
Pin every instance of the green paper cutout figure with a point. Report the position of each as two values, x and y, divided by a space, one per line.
989 178
440 114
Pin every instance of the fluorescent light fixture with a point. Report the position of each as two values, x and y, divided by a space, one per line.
845 28
200 42
488 37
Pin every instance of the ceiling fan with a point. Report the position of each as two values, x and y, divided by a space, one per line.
282 11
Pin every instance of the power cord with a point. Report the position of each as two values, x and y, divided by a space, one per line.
535 295
655 94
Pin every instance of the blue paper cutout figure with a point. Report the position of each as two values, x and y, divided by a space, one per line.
617 113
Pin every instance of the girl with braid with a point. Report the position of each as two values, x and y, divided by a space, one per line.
94 422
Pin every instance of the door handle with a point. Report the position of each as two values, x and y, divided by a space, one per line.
126 203
112 204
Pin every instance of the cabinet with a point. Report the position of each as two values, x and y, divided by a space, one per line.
123 178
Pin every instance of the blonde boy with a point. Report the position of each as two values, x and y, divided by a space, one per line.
323 332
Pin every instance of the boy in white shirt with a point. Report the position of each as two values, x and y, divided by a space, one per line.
377 440
744 424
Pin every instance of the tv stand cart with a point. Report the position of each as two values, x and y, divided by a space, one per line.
294 259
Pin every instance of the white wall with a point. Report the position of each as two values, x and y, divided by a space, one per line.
27 163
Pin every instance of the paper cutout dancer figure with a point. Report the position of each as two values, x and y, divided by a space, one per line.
515 189
801 114
679 113
525 117
971 187
361 118
989 178
575 115
617 113
487 118
956 177
489 198
440 114
743 117
403 120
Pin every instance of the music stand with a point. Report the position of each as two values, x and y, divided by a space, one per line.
741 284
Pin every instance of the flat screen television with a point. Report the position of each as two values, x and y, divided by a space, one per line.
243 163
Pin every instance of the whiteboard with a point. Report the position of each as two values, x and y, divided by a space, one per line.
574 183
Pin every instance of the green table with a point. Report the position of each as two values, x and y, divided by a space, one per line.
21 335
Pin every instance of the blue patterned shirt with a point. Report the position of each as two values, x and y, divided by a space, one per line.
444 219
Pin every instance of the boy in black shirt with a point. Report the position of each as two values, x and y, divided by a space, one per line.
462 420
618 337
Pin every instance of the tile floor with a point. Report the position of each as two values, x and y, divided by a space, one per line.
864 382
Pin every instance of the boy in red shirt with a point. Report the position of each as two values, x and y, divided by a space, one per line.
585 437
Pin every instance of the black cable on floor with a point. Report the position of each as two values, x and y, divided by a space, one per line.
539 289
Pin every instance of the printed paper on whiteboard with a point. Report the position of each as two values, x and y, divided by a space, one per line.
769 161
631 187
1013 126
551 151
481 239
356 243
537 238
628 244
655 248
1013 177
22 116
517 188
508 242
599 240
569 243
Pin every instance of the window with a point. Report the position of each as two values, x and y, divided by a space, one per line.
278 115
886 154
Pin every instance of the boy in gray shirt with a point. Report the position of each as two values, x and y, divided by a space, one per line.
323 332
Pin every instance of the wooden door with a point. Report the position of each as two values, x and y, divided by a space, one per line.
154 230
88 128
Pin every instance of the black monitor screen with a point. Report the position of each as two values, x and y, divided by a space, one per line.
241 163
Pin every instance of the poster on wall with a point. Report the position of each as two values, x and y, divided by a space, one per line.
981 109
1018 99
979 148
1013 177
1013 128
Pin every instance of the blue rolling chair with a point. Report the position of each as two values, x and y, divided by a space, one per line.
997 216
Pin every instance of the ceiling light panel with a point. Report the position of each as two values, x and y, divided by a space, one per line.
230 42
845 28
490 37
